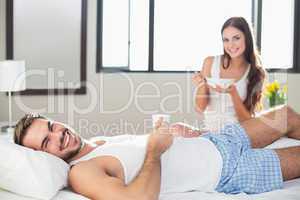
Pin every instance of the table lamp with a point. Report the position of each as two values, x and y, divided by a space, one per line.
12 79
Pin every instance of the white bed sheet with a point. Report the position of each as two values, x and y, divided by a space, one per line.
62 195
290 191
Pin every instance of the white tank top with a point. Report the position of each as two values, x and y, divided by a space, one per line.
189 164
220 110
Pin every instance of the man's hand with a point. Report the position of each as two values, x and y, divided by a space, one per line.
179 129
160 139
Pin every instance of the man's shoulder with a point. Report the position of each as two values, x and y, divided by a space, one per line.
83 168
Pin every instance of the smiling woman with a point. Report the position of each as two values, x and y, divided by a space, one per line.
239 62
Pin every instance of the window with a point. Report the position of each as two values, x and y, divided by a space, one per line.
277 34
176 35
124 34
188 31
115 33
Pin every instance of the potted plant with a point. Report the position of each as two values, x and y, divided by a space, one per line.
276 94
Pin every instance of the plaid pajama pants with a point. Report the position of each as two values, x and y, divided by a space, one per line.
245 169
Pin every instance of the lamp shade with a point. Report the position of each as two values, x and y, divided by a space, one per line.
12 75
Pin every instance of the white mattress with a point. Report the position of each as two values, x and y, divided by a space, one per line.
290 191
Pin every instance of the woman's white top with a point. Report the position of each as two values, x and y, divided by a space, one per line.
189 164
220 110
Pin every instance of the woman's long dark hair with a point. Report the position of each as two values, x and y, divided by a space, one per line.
257 75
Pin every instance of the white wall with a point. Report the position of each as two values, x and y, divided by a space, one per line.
293 92
2 29
114 91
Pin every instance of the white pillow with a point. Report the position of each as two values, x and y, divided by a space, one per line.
31 173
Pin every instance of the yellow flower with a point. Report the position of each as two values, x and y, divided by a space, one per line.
270 88
276 85
273 87
285 89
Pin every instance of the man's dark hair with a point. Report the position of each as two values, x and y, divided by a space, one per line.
22 126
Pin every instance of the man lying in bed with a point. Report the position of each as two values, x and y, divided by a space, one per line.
141 167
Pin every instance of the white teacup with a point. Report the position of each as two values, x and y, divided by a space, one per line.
156 117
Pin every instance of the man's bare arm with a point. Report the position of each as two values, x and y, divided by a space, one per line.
93 182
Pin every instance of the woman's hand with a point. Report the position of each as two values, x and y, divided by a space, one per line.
198 79
232 90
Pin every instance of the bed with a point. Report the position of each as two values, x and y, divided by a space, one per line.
290 191
62 195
